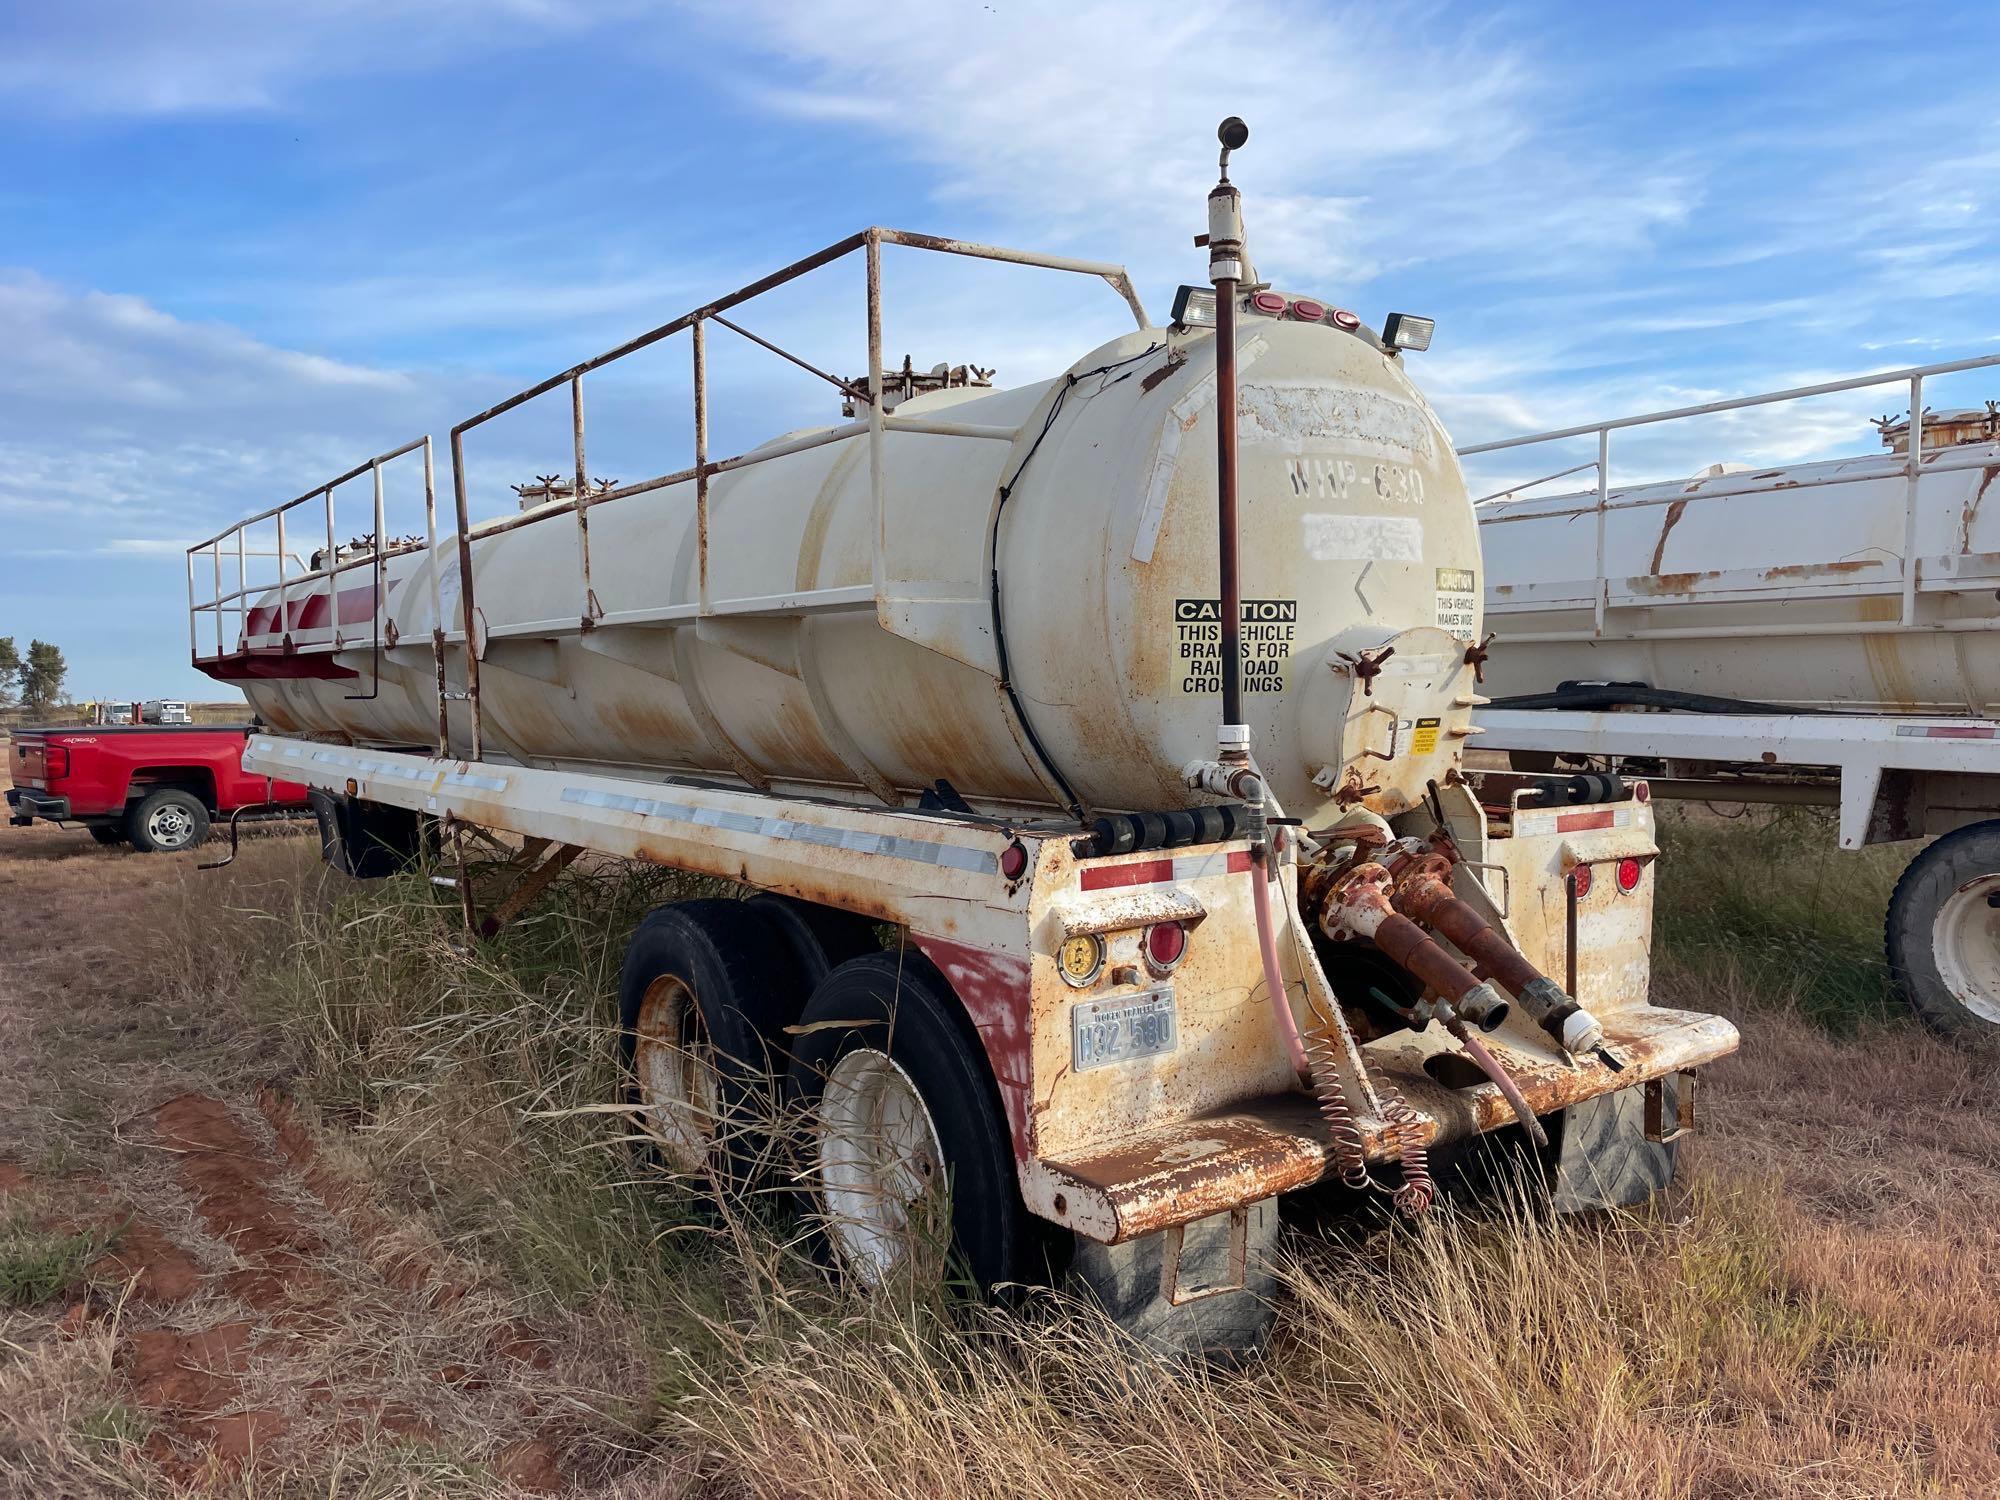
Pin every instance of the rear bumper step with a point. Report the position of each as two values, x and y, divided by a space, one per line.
1198 1168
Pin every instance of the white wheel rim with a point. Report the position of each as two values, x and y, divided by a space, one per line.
169 825
678 1089
1965 940
881 1171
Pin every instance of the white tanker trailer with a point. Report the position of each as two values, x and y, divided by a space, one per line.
1821 632
1196 904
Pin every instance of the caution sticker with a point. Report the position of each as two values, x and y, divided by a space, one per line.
1269 629
1457 601
1424 739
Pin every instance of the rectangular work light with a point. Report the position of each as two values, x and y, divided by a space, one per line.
1408 331
1194 307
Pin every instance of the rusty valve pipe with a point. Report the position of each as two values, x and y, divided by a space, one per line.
1423 893
1360 905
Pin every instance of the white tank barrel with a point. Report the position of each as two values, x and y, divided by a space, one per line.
1080 542
1807 585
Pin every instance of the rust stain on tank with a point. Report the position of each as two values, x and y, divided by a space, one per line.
1674 513
1890 673
1813 570
1972 507
1673 583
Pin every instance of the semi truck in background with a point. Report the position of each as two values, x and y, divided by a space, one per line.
1141 731
165 711
1822 633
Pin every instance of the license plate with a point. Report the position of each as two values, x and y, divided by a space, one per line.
1103 1032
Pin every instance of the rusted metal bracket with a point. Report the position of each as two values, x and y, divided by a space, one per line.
1173 1242
1656 1106
531 885
535 871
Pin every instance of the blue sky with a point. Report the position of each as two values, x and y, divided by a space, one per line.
243 245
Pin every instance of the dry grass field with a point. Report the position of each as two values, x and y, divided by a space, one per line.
298 1196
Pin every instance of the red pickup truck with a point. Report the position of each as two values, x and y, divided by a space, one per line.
157 785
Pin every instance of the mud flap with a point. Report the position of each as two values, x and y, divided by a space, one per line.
368 840
1605 1159
1225 1285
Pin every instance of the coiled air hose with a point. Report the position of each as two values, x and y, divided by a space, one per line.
1319 1066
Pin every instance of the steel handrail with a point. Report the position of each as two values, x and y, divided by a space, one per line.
875 426
1912 465
1738 403
380 551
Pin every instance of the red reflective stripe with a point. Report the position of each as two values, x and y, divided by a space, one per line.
1143 872
1604 817
1957 732
1163 871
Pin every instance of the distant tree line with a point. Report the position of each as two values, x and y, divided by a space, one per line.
35 680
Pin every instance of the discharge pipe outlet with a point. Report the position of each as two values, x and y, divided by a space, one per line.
1423 893
1360 906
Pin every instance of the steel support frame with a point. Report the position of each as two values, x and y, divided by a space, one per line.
1861 747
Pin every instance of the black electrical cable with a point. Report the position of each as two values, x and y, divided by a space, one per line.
1580 695
1070 383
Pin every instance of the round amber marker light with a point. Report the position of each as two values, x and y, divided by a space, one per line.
1080 958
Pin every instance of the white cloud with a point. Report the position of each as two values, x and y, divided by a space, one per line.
138 57
118 351
1378 137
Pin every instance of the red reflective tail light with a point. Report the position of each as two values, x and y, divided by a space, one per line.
1581 876
1629 870
1166 946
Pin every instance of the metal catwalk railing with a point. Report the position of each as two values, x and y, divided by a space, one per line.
590 613
1910 465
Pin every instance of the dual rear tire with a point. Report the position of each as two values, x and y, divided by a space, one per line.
735 1015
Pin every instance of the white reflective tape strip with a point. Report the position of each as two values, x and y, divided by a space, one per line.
1946 732
1180 417
1199 866
368 765
852 840
471 778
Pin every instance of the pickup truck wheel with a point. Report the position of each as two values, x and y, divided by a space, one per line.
1943 935
166 822
907 1154
107 833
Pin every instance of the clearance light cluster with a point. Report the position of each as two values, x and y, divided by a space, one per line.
1080 960
1629 872
1303 310
1194 307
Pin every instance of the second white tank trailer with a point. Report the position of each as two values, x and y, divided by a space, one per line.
1195 903
1820 633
